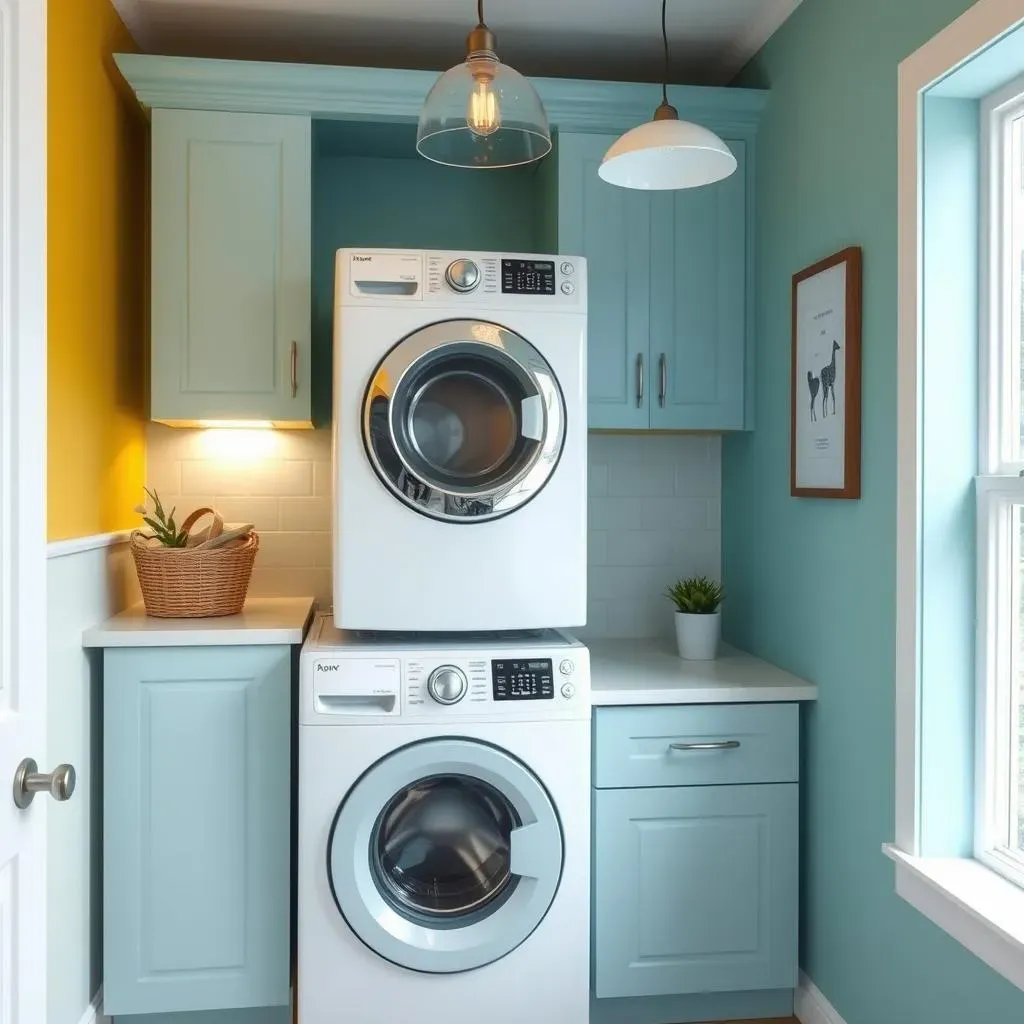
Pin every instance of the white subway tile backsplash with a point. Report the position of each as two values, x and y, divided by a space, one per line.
306 514
614 513
270 478
674 513
654 512
263 513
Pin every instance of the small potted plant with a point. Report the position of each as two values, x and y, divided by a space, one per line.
698 602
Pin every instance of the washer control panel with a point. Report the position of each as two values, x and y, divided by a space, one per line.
523 679
456 686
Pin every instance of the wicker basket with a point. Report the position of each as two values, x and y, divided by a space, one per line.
190 583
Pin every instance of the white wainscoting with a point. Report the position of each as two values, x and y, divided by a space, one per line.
88 579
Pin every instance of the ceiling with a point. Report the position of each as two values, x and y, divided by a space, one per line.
613 39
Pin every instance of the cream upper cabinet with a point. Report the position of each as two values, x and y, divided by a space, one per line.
231 267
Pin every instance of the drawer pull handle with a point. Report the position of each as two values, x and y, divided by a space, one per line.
719 745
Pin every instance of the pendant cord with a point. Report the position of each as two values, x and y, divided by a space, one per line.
664 40
480 12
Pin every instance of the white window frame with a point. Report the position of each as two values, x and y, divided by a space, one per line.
980 907
1000 487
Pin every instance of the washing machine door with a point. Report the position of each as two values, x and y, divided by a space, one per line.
464 420
445 855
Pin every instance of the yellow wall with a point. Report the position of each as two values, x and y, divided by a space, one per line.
96 238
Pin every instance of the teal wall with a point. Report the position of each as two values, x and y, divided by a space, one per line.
819 599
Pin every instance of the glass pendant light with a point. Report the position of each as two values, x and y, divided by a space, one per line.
667 153
482 113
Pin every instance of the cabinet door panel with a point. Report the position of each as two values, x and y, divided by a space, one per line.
196 824
699 320
611 227
231 266
695 890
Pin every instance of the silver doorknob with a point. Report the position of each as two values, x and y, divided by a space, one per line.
60 783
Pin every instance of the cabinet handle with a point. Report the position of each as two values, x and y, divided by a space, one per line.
719 745
662 379
639 379
295 368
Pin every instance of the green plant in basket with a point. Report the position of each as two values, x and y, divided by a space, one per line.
162 523
696 595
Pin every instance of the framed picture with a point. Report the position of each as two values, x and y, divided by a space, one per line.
825 380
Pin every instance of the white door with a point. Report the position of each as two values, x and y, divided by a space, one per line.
22 503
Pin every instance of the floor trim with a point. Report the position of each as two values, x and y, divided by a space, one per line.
94 1011
811 1007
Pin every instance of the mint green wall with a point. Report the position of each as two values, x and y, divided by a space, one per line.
819 598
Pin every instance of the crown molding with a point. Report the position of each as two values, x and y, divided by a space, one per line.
383 94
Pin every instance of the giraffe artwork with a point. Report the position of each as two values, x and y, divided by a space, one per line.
828 381
825 383
813 383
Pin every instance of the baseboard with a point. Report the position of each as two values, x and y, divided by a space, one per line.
811 1007
94 1011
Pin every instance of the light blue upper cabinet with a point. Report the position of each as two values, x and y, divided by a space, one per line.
611 227
699 307
196 828
668 294
231 198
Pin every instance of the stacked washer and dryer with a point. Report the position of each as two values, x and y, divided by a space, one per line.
444 723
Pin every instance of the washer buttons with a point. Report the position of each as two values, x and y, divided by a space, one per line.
568 690
566 667
568 268
568 287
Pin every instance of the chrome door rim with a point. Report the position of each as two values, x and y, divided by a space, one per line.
516 357
441 946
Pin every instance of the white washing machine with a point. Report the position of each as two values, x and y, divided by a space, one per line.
460 441
444 830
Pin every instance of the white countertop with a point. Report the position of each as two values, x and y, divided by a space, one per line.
650 672
263 620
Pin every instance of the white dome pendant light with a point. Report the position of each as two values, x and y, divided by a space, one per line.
482 113
667 153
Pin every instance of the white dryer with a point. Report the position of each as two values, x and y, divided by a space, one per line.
444 830
460 429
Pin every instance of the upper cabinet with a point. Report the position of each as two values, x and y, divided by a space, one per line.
231 267
668 294
235 178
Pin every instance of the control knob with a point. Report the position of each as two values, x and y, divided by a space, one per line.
463 275
447 684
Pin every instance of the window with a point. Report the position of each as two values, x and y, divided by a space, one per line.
999 805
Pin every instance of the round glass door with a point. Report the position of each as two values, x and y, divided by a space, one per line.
442 848
445 855
463 420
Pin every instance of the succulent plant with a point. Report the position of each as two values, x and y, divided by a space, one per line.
696 595
162 524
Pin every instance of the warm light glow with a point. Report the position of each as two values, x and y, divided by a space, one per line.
237 424
482 114
239 445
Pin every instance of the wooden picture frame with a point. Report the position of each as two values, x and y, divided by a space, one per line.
824 452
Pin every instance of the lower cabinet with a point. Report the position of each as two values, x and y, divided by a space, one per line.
196 828
695 886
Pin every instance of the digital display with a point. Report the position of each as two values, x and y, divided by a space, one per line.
523 680
528 277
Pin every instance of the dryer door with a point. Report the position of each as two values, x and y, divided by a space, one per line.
464 420
445 855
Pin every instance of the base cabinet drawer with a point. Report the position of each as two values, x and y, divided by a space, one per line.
196 812
695 889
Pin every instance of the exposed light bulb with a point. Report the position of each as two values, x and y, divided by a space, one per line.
483 117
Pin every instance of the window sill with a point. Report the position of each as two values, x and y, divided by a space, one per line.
981 910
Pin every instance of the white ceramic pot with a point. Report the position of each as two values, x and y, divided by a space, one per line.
697 635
